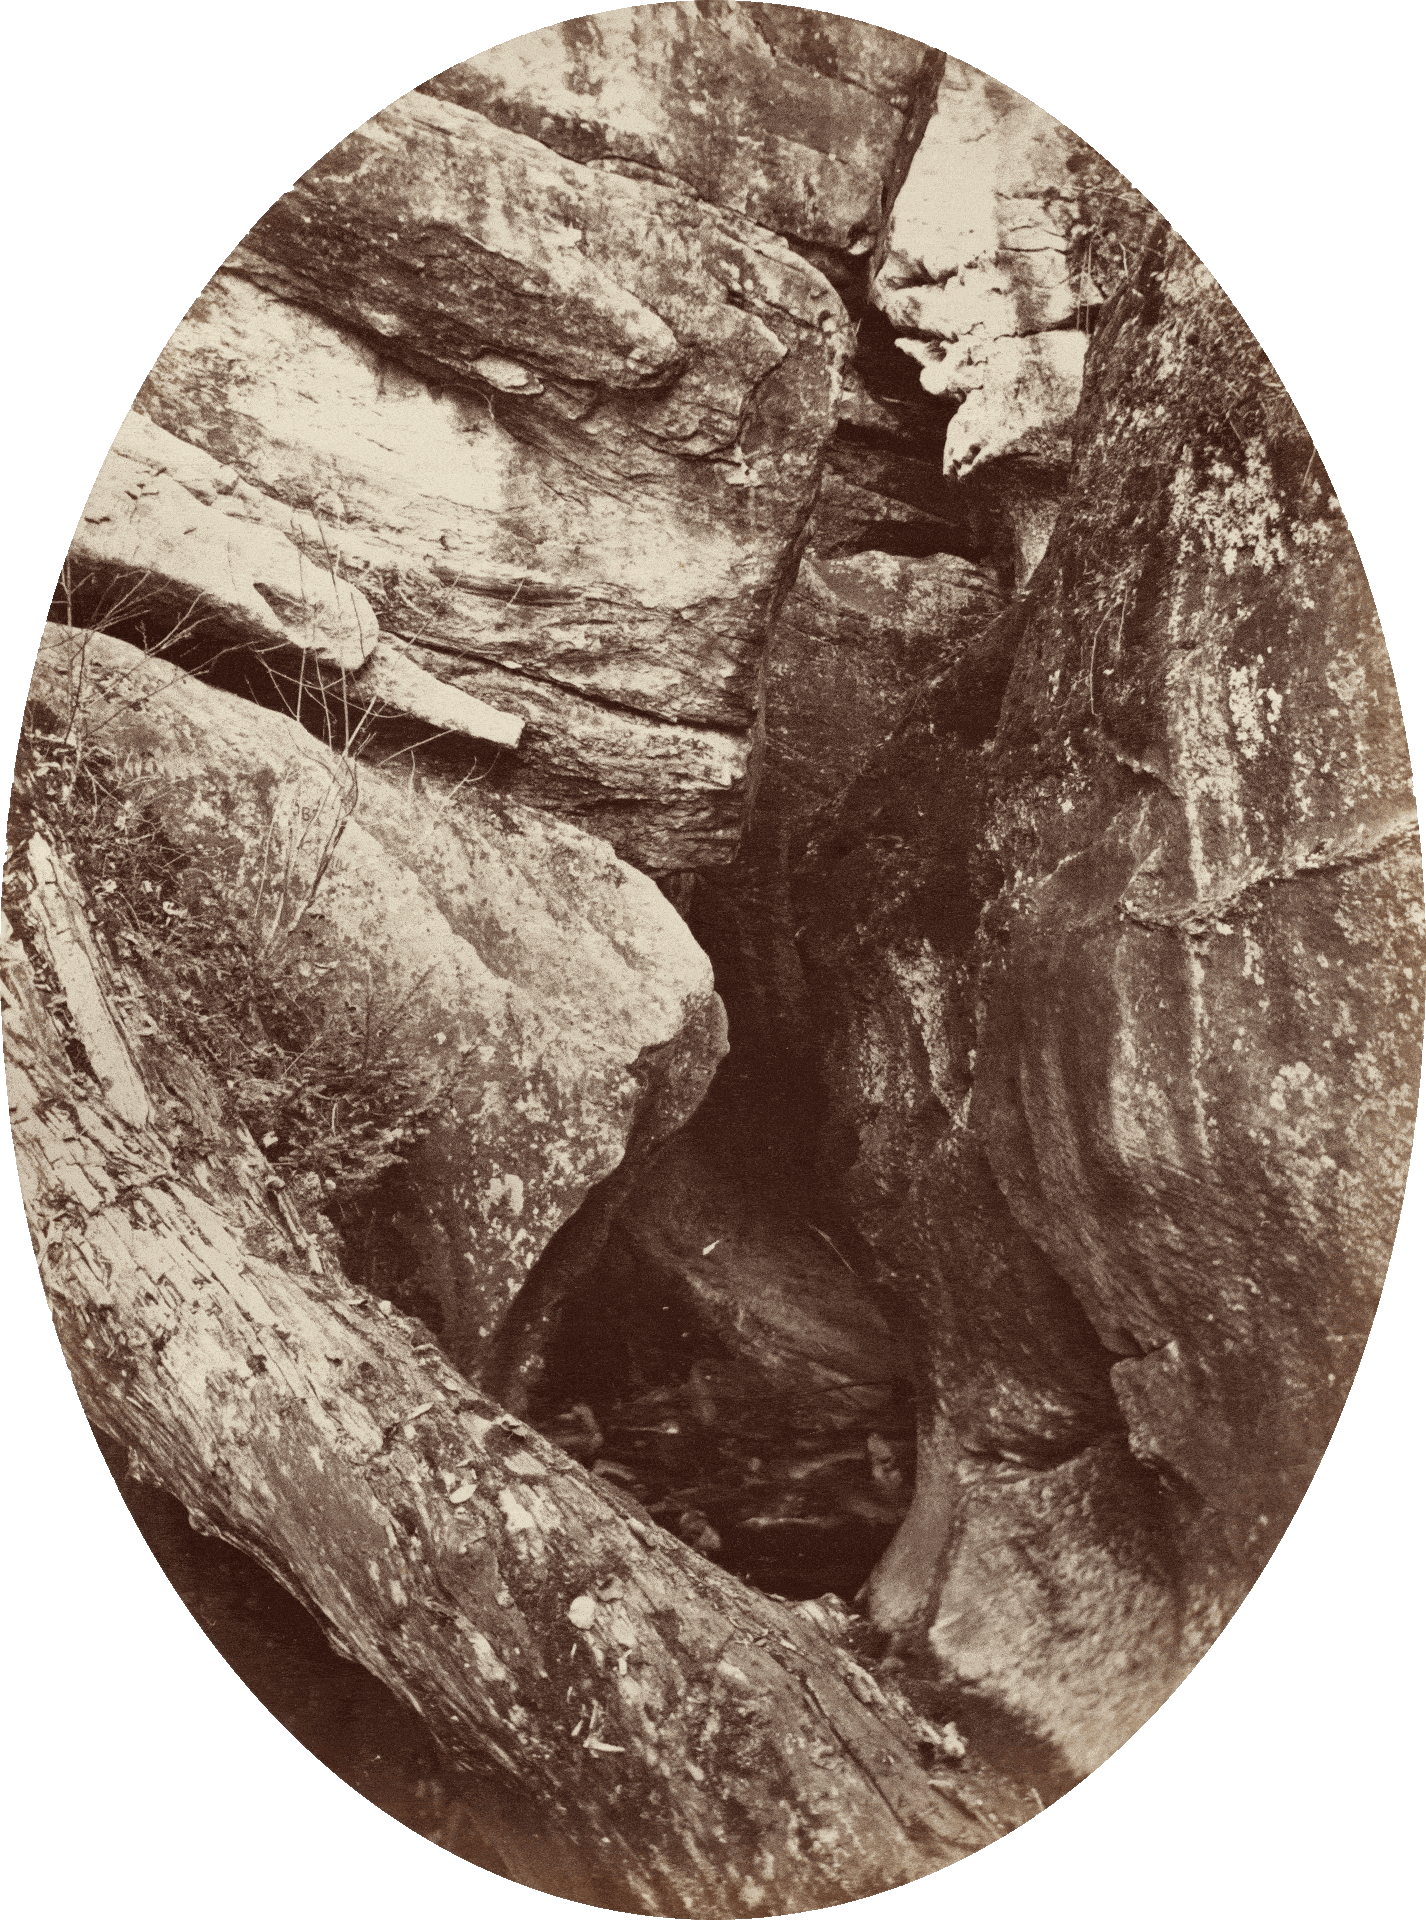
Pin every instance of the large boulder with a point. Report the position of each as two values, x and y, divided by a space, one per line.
567 478
1117 951
542 1001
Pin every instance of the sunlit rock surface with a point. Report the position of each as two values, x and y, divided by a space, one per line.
166 540
1003 243
567 478
802 121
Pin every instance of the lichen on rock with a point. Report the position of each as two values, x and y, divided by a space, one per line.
1144 1202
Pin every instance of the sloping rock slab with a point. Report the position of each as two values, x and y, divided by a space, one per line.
1214 903
156 544
174 548
580 466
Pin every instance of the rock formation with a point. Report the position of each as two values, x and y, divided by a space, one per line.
481 385
992 289
545 1001
721 495
724 1755
1120 992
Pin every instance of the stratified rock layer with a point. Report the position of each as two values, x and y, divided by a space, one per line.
563 429
509 422
1123 1011
522 375
162 541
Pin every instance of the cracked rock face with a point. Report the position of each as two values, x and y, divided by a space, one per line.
1233 837
1002 246
559 429
800 120
167 537
1122 1007
792 463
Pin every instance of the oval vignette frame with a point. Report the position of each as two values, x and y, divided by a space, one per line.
1273 1775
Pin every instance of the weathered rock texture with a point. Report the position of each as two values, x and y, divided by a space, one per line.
800 120
1003 243
176 550
908 561
1071 941
551 396
165 539
726 1240
546 996
1122 985
511 525
647 1733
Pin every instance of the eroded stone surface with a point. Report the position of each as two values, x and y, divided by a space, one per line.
860 637
860 640
164 540
441 1542
1232 836
595 552
549 996
1003 243
772 1291
1114 946
1122 995
800 120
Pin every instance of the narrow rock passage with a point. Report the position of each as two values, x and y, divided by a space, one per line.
726 1364
730 911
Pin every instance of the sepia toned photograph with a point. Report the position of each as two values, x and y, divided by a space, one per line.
713 953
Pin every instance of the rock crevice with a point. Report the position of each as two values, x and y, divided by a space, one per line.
735 662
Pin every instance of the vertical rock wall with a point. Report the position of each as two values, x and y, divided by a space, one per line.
1121 991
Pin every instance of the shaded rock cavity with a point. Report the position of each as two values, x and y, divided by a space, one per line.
724 1361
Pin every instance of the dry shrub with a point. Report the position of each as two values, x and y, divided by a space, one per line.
314 1060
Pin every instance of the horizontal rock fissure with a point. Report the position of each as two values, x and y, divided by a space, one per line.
579 691
1199 917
